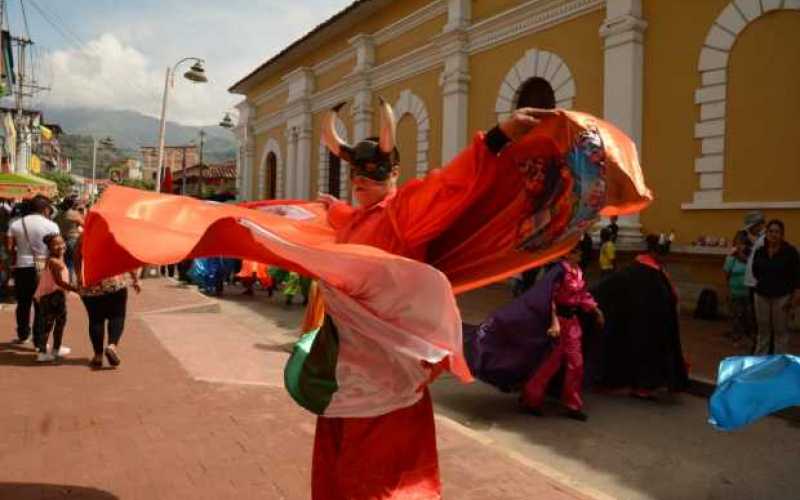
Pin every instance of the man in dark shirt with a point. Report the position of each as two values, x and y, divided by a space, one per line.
776 268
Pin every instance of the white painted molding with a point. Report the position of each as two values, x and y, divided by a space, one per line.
530 17
712 100
411 21
411 104
741 205
535 63
324 165
271 146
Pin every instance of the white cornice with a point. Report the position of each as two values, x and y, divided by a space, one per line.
411 21
525 19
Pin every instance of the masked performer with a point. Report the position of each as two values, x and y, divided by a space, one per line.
524 343
641 344
517 197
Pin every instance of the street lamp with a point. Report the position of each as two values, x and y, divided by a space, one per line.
106 142
226 122
195 74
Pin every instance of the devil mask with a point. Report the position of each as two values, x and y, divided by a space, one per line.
373 157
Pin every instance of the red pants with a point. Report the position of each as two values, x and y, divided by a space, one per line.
389 456
567 349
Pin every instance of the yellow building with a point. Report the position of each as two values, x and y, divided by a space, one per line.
707 88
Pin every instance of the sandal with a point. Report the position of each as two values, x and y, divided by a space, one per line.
112 356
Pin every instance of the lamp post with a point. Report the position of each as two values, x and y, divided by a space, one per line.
107 142
195 74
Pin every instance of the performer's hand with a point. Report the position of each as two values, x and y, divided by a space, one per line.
137 287
554 332
522 121
327 199
599 318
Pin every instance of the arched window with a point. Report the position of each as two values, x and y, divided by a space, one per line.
334 175
272 175
536 92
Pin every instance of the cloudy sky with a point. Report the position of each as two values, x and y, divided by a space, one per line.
113 53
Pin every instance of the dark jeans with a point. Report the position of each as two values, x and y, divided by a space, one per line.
25 283
101 308
53 307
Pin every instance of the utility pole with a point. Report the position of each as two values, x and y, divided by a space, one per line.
202 167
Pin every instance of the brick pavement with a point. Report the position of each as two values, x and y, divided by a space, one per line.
148 430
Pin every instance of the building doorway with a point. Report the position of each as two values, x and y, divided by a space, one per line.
334 175
536 92
272 175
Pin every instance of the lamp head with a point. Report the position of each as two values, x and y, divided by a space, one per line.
196 73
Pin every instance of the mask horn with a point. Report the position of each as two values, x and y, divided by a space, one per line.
388 128
331 139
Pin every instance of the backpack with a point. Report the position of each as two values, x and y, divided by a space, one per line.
707 305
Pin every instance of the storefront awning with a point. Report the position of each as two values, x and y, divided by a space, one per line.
21 186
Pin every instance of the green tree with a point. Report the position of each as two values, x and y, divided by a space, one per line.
63 180
138 184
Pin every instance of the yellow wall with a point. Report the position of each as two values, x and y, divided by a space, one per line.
407 143
409 41
669 147
762 136
272 105
426 87
575 41
334 75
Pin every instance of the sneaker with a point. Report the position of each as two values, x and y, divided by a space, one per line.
64 351
19 341
45 357
112 356
577 415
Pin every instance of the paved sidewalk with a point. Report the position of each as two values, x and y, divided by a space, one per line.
150 430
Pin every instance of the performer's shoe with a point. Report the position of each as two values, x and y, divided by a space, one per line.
577 415
528 410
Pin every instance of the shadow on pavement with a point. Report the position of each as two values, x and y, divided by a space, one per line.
24 355
33 491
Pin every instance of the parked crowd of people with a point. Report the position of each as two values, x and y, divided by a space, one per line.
41 253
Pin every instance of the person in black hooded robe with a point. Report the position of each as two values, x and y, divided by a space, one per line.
641 344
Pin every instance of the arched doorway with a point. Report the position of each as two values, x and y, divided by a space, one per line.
536 92
334 175
272 175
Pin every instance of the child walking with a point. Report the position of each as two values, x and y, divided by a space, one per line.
52 298
569 297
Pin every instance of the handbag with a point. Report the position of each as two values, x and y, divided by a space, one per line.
39 261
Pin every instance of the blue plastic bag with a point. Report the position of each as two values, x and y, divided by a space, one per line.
751 387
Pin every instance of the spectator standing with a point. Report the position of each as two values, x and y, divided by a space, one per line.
25 245
70 223
613 227
754 225
776 268
608 252
735 268
106 304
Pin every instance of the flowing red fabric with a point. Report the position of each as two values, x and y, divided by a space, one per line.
508 222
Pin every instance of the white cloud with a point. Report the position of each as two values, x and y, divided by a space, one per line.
123 68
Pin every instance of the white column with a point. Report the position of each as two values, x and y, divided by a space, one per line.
454 80
362 101
246 151
298 123
623 104
303 160
291 160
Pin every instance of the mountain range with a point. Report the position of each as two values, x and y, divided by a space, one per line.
131 130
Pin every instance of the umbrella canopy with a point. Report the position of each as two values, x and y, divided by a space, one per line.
21 186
